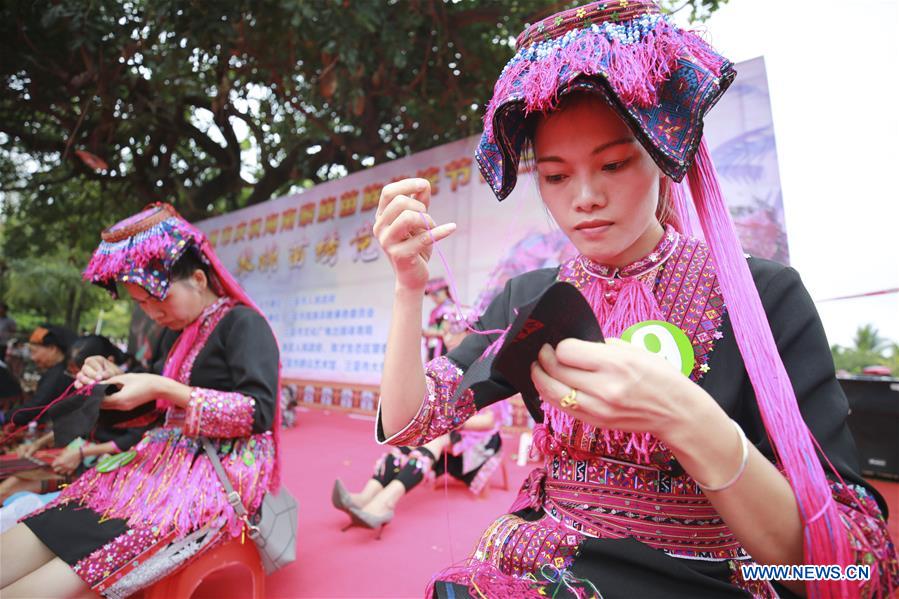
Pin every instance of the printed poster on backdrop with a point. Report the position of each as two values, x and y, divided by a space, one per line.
312 264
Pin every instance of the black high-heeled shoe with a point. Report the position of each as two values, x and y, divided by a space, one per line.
364 519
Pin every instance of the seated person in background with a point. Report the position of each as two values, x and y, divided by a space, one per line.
10 389
114 432
49 346
470 455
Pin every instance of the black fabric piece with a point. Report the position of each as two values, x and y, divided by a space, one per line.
519 291
558 313
56 528
81 416
76 416
561 312
52 384
626 568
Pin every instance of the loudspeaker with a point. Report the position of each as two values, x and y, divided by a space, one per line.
874 422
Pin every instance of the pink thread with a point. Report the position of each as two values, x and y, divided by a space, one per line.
825 538
85 390
449 529
451 282
486 578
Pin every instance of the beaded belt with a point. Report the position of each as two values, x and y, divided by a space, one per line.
606 498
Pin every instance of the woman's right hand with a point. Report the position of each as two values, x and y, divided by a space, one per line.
26 450
94 370
407 232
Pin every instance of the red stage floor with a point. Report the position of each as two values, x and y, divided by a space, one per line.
331 563
419 542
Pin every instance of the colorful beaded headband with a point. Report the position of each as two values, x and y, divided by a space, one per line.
142 249
660 79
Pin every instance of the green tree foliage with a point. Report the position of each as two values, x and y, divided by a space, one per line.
868 349
108 105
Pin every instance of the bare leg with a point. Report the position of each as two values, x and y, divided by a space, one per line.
22 553
386 500
368 492
14 484
436 446
55 579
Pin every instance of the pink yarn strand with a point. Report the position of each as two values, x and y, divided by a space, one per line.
826 538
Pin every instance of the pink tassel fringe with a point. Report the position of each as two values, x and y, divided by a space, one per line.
826 538
124 493
635 71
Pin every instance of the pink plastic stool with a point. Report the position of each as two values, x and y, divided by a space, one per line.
182 583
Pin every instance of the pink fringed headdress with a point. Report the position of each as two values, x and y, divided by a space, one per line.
661 80
142 250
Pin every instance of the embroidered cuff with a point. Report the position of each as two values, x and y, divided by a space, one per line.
220 414
438 414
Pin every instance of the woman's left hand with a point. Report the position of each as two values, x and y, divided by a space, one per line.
135 389
67 461
619 386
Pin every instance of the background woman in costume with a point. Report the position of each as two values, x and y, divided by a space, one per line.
470 454
438 325
49 346
122 528
664 470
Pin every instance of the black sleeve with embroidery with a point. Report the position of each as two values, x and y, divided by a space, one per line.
440 413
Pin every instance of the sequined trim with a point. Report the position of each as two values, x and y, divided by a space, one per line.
211 316
658 256
518 547
116 553
438 414
220 414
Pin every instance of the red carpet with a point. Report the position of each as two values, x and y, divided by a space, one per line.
415 546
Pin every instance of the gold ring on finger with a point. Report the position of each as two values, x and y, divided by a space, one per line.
569 400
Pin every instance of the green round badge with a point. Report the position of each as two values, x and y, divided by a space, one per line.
665 339
112 462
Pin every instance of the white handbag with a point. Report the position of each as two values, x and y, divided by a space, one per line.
273 528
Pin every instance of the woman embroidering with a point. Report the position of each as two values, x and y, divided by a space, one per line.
120 528
654 484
